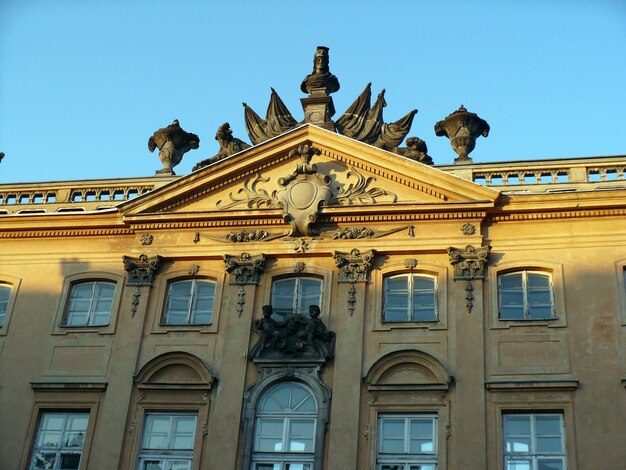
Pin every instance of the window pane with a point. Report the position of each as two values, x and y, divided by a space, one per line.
301 435
518 465
43 460
548 425
5 293
549 445
511 281
511 313
178 465
269 434
535 280
392 467
518 425
550 464
310 294
298 466
535 312
418 446
267 466
424 314
283 291
69 461
152 465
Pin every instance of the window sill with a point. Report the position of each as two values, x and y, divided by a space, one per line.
164 329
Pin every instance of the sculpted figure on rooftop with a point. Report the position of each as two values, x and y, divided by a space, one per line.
173 142
229 145
415 149
320 80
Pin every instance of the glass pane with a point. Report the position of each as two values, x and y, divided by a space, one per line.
535 312
310 294
158 423
392 445
424 314
176 317
421 446
269 444
267 466
423 299
270 427
185 424
53 421
276 399
152 465
83 290
511 313
549 445
508 281
178 465
396 314
517 425
49 439
540 297
74 439
43 460
180 289
393 427
421 427
517 465
392 466
538 280
298 466
548 425
283 288
422 467
302 400
550 464
301 435
518 444
423 283
69 461
511 298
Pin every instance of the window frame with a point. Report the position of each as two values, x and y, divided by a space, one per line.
406 458
93 298
12 283
76 397
554 270
296 310
410 294
158 298
169 453
306 377
190 310
58 450
525 294
285 456
398 267
61 328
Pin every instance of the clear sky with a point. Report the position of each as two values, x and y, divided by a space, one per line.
84 84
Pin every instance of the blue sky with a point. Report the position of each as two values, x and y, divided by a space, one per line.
84 84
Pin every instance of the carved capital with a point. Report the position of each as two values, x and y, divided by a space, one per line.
354 266
469 263
141 270
246 269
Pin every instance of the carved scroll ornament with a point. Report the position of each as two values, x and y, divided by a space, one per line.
354 266
141 270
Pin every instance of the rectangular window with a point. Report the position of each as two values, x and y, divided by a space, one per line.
167 442
5 294
407 442
534 441
60 440
90 303
190 302
410 298
525 295
294 295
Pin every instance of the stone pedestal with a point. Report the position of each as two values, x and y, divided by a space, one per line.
318 110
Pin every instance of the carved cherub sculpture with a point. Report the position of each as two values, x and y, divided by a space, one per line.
173 142
266 327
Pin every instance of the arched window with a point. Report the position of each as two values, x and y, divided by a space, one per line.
293 295
5 294
410 298
90 303
285 428
525 295
190 302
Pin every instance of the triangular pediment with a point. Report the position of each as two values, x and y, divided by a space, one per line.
353 174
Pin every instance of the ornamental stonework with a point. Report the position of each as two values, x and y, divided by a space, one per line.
245 269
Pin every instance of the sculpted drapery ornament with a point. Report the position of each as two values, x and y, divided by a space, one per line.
462 128
469 264
173 142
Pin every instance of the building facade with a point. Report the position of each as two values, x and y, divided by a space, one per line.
317 302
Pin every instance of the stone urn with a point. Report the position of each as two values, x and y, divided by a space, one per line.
462 128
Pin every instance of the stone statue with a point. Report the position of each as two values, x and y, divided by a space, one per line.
415 149
229 145
1 156
267 327
321 81
173 142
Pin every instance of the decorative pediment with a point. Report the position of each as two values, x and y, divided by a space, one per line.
301 175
